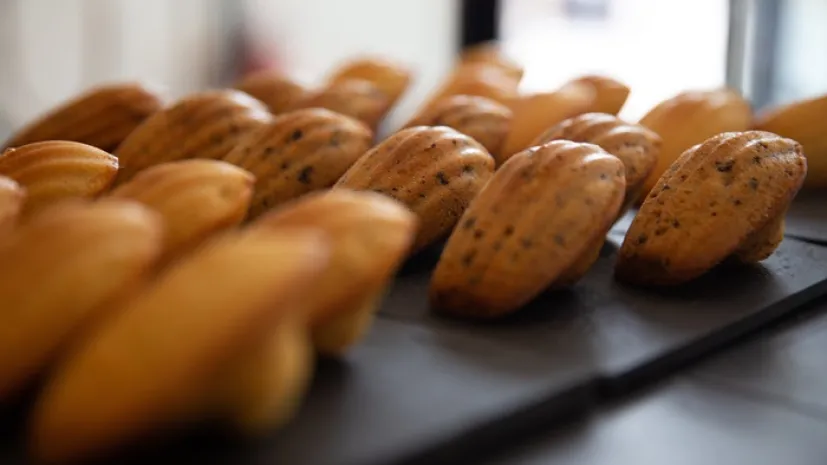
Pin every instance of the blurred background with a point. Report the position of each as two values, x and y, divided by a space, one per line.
772 50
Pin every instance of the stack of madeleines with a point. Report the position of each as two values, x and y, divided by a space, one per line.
165 264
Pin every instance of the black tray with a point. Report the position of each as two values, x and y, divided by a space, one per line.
431 390
807 217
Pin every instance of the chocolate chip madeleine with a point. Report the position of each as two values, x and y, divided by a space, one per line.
434 170
610 94
196 199
60 271
637 147
358 98
204 125
57 170
485 120
299 152
539 222
183 349
391 78
273 89
724 197
101 117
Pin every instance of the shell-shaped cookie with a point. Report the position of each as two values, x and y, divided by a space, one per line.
274 89
102 117
203 125
610 94
490 53
59 271
358 98
690 118
535 113
299 152
159 356
196 199
391 78
371 235
544 213
434 170
709 205
12 197
636 146
485 120
802 121
56 170
480 79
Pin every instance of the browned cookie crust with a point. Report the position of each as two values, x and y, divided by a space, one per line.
434 170
537 222
711 203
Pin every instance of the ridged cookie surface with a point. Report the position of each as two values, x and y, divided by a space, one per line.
299 152
710 204
804 122
57 170
102 117
160 354
60 271
371 234
275 90
434 170
540 221
636 146
196 199
391 78
358 98
12 197
485 120
690 118
204 125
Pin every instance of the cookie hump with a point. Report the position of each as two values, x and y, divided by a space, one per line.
539 222
391 78
483 119
299 152
357 98
690 118
53 171
101 117
196 199
636 146
433 170
60 271
610 94
273 89
203 125
724 197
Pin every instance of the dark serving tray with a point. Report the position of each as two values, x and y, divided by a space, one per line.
427 389
807 217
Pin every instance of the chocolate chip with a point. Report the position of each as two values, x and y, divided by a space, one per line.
661 230
454 142
478 234
665 187
469 223
422 195
335 139
468 258
296 135
756 159
304 174
394 189
559 240
269 150
642 239
724 166
285 165
683 177
753 183
509 230
764 145
526 243
676 224
604 176
216 139
467 169
441 178
736 202
714 214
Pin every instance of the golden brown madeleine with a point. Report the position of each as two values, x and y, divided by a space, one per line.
155 361
541 219
434 170
480 79
102 117
485 120
12 197
690 118
274 89
371 235
356 98
491 54
60 271
196 199
391 78
299 152
636 146
720 198
610 95
802 121
203 125
56 170
535 113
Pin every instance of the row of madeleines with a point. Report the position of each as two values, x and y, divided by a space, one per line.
165 264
